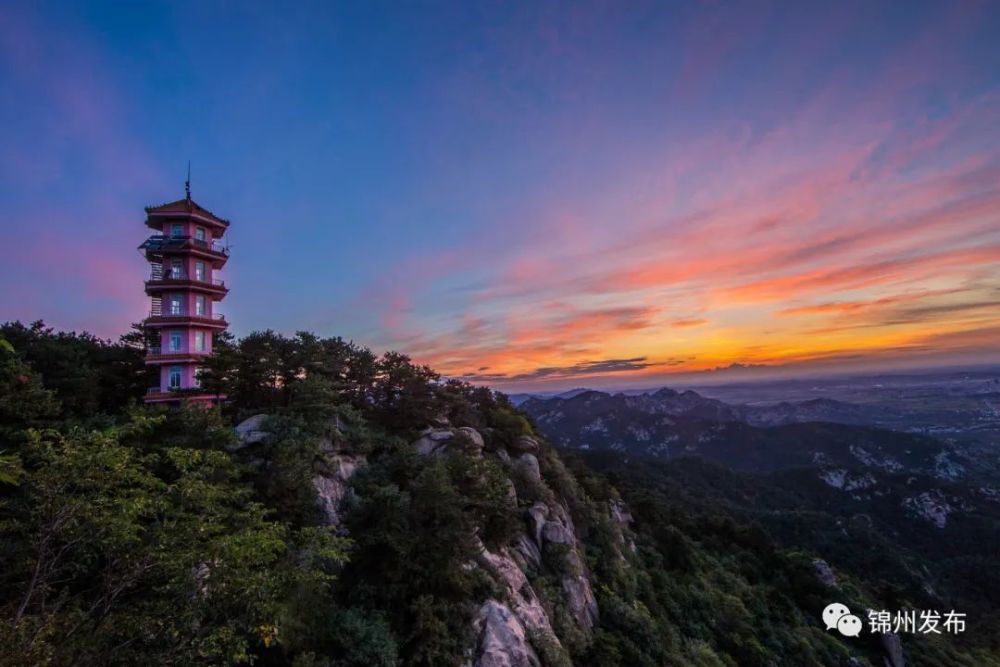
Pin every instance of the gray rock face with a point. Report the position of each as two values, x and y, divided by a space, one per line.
620 512
473 436
932 506
824 573
250 431
525 443
528 464
332 486
580 600
553 525
503 641
893 649
433 441
538 514
502 626
527 554
554 532
519 593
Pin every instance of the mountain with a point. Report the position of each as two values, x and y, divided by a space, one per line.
813 410
670 424
517 399
912 542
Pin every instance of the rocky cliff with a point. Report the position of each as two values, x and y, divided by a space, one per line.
522 624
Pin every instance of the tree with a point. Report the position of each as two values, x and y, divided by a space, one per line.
88 375
122 555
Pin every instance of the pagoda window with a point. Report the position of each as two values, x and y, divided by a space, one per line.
199 271
199 305
174 377
199 234
175 304
176 229
175 341
176 269
199 341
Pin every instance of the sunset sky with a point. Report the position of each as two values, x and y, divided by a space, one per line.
533 195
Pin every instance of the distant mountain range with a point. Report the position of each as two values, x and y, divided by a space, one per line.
816 432
692 404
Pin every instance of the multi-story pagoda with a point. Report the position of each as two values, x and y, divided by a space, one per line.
185 255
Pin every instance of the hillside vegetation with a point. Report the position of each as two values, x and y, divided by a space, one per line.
365 511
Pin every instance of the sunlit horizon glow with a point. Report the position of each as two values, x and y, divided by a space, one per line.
526 197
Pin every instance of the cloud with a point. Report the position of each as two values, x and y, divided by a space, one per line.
687 324
580 369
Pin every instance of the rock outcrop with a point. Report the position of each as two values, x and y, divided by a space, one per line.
824 573
518 591
332 484
250 431
516 626
528 465
333 466
508 628
893 650
501 638
433 441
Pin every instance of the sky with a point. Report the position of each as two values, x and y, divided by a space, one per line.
531 195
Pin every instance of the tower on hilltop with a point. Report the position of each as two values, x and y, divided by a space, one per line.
185 256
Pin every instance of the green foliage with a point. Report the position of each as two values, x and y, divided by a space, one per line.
508 424
712 583
415 526
86 375
119 555
10 468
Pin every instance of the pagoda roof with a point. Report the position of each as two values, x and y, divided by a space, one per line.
186 207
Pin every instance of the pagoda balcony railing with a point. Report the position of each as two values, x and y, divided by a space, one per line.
181 391
157 350
183 275
160 390
165 242
203 316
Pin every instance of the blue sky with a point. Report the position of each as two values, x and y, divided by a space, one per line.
528 194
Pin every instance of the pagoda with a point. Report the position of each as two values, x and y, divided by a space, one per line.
185 255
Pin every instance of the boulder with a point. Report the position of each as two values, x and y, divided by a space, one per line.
538 514
502 641
824 573
432 441
525 443
333 486
474 437
529 465
250 431
554 532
